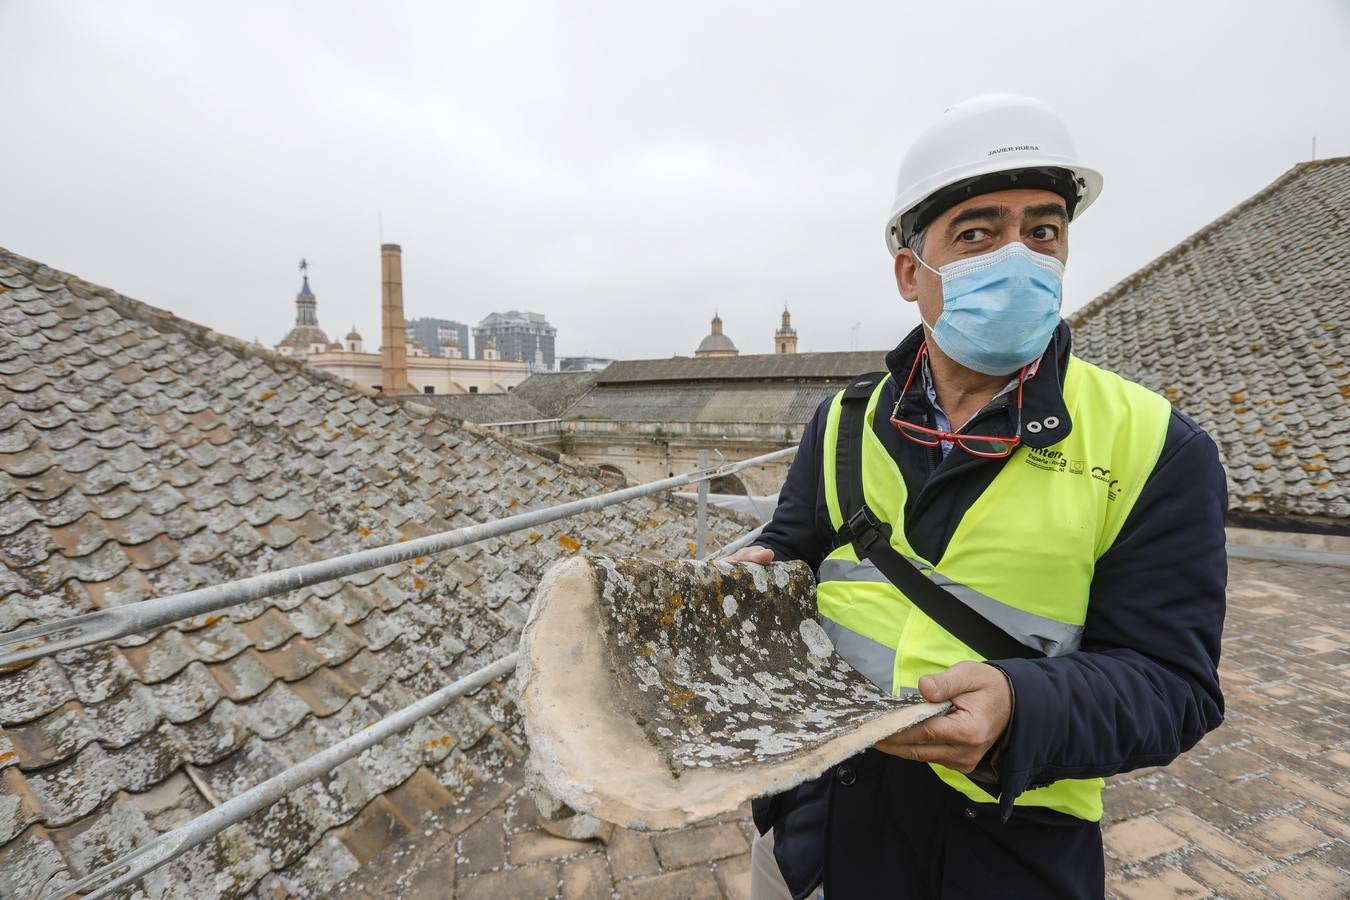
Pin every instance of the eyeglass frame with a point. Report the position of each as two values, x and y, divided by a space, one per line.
954 437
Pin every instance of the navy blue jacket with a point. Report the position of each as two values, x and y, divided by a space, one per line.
1142 689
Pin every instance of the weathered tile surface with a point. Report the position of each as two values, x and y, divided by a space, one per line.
1242 326
142 455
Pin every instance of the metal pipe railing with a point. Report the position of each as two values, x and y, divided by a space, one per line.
171 844
23 644
731 547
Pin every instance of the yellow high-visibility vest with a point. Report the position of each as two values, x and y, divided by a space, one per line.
1023 554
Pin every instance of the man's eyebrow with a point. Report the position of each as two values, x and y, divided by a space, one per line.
977 214
1041 210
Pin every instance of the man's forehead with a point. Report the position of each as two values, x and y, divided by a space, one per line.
1012 202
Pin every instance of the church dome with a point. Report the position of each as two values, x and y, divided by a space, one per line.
715 342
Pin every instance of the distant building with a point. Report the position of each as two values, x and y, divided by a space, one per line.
785 338
716 343
306 337
406 365
436 334
582 364
645 419
518 336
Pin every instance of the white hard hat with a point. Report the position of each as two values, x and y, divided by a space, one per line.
994 142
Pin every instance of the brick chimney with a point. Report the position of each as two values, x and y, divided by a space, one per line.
394 342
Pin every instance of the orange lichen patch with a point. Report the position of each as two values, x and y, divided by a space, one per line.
1237 398
645 650
678 697
1260 467
534 536
404 539
14 667
693 548
569 543
1253 498
1344 389
673 605
6 756
1313 467
513 502
419 583
543 481
363 531
419 560
1321 485
444 740
266 395
1279 444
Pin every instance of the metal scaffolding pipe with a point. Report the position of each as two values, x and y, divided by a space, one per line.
172 844
731 547
23 644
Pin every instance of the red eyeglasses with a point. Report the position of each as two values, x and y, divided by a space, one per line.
987 446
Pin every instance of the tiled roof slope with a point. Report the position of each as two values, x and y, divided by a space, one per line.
842 365
142 455
481 407
779 404
1242 326
553 392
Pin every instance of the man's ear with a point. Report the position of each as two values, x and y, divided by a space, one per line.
907 275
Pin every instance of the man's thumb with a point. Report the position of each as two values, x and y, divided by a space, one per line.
943 686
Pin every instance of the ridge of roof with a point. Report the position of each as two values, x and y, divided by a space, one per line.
1095 306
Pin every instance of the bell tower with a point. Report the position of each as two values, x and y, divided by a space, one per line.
785 338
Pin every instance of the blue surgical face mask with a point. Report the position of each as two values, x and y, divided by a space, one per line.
999 309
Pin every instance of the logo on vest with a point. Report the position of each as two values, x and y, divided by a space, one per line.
1048 460
1112 484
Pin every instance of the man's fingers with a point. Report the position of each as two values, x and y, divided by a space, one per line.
761 555
960 758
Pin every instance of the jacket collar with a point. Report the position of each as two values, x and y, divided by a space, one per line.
1045 418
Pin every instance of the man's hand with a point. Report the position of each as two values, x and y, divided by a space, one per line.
982 701
761 555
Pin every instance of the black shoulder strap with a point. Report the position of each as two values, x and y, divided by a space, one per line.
871 536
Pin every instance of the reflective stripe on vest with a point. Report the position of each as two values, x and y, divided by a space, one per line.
1051 637
1022 555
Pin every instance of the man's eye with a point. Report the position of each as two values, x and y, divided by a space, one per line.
971 235
1045 233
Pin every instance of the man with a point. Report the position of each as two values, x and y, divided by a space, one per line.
993 490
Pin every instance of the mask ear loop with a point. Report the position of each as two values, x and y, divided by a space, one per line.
919 258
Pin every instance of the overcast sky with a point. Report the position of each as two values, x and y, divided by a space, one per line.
624 168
